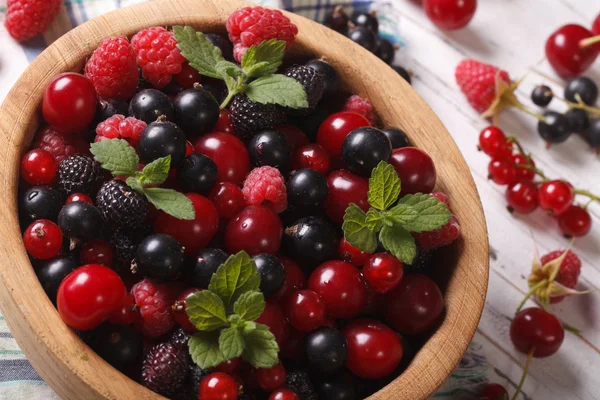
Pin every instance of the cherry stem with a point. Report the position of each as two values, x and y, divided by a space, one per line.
531 292
589 41
525 371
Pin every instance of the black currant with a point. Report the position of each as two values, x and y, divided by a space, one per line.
106 108
541 95
270 147
555 129
403 73
364 148
337 19
52 272
306 188
310 241
222 42
397 137
365 20
81 221
197 174
310 124
581 88
161 139
196 111
331 78
578 120
593 133
203 265
385 50
149 104
160 256
325 350
341 386
364 37
40 202
120 345
271 271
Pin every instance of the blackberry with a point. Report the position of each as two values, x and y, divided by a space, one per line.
180 338
196 374
80 174
421 263
121 206
164 369
299 381
331 79
313 83
248 117
124 245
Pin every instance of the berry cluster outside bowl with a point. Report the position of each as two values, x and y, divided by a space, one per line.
76 372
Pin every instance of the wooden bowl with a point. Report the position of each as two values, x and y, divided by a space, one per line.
76 372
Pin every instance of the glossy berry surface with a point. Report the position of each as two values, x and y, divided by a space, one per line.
121 346
345 188
160 256
162 139
256 229
227 198
541 95
178 310
364 37
270 147
294 135
336 127
294 279
283 394
126 313
398 138
228 152
43 239
492 391
305 310
556 196
203 265
80 221
96 252
52 272
581 88
502 171
383 272
564 53
188 76
196 111
415 169
223 123
325 350
274 317
523 174
522 197
310 241
38 167
450 14
306 188
341 386
79 197
535 328
364 148
69 102
575 222
555 129
218 386
197 174
271 271
312 156
230 366
272 378
492 142
352 254
374 350
40 202
149 104
578 120
331 78
366 20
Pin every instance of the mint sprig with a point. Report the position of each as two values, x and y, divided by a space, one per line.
118 157
225 314
392 219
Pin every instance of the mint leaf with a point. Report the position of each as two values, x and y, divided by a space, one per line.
250 305
263 59
261 347
384 186
402 214
399 242
228 69
374 220
432 213
156 172
204 349
201 54
116 155
206 310
277 89
171 202
234 277
231 343
356 231
135 184
235 320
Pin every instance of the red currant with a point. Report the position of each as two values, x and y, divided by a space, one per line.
272 378
336 127
43 239
374 350
312 156
534 328
415 169
193 234
284 394
565 54
188 76
415 305
295 137
228 152
450 14
275 319
218 386
502 171
256 229
341 288
38 167
79 197
345 188
523 174
228 199
383 272
88 295
352 254
492 391
305 310
126 314
224 124
492 142
96 252
178 310
69 103
229 366
575 222
294 279
522 197
556 196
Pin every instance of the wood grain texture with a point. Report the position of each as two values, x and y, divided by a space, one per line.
76 372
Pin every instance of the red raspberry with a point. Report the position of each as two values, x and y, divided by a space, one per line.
157 54
361 106
60 145
112 69
440 237
266 186
154 301
26 19
478 82
252 25
118 126
443 197
569 271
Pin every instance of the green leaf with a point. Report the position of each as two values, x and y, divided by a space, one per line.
206 310
133 183
228 69
171 202
231 343
356 231
116 155
277 89
235 277
201 54
235 320
250 305
263 59
374 220
261 347
384 186
402 214
157 171
249 326
399 242
432 213
204 349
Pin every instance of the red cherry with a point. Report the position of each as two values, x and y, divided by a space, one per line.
522 197
188 76
194 234
523 174
88 295
336 127
79 197
96 252
492 391
228 198
69 103
345 188
218 386
352 254
126 314
292 349
272 378
535 328
256 229
450 14
296 138
229 366
38 167
374 350
284 394
312 156
274 318
43 239
305 310
294 279
596 26
415 169
556 196
228 152
341 288
565 54
492 142
178 310
224 124
575 222
415 305
383 272
502 171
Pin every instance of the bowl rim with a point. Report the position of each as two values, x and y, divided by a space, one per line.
66 363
